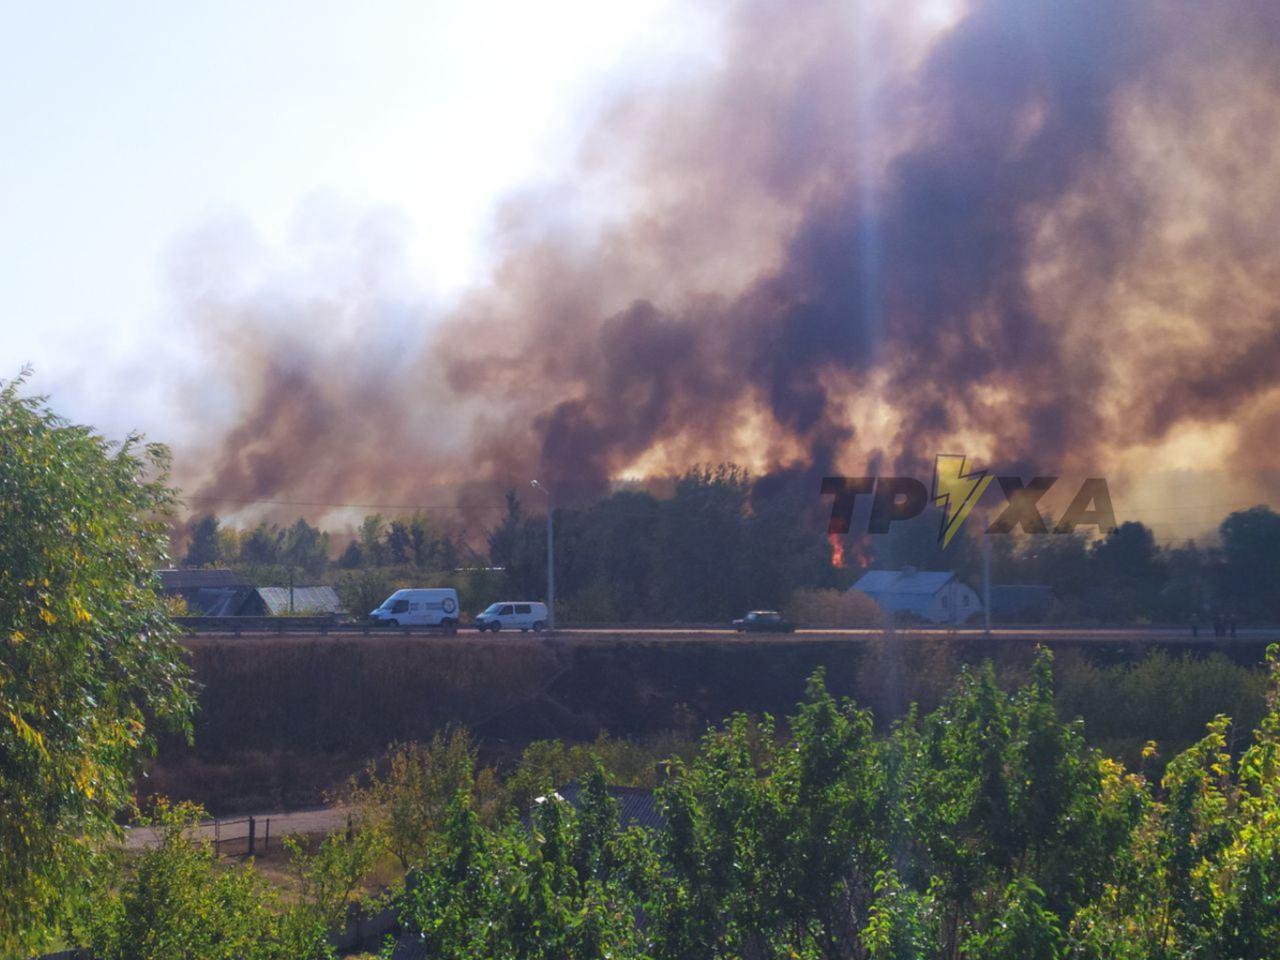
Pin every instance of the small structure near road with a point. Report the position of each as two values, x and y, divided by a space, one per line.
304 600
213 592
933 596
216 592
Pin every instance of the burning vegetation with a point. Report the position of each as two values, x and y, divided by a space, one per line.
1038 233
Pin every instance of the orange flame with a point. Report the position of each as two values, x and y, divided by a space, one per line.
837 550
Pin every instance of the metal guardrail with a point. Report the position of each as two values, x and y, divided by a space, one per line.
282 625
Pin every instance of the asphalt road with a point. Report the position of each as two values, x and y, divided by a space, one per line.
1066 633
691 634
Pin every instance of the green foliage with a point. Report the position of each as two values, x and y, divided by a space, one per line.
87 652
1251 552
984 830
1018 927
300 547
1204 879
545 765
362 591
204 549
405 798
1158 697
327 880
713 549
554 891
177 900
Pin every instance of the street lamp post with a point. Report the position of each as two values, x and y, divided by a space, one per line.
986 581
551 559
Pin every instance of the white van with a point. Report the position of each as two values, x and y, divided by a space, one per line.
431 607
509 615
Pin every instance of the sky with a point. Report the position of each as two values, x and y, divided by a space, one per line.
296 141
129 127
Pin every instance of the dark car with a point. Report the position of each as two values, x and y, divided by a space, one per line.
764 621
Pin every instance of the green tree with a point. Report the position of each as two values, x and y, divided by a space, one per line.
406 796
700 536
362 590
399 543
1251 555
87 653
305 548
175 901
502 539
205 548
1202 877
261 546
984 830
352 556
1127 574
555 890
372 529
327 878
1018 927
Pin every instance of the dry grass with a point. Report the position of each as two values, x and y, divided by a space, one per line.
833 608
337 695
285 720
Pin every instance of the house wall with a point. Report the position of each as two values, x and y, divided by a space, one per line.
961 603
947 605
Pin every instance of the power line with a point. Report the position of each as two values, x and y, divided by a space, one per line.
354 506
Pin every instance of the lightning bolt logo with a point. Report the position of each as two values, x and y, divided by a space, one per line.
955 491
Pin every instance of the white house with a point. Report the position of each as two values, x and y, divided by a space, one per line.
937 597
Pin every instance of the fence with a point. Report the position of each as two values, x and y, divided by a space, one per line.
247 837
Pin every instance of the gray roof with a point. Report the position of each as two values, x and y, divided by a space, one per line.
219 601
636 805
197 579
906 580
305 600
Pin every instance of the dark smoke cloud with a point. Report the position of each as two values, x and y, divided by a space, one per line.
1043 235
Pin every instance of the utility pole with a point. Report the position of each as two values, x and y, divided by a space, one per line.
551 559
986 580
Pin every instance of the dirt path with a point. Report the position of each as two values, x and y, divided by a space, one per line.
235 829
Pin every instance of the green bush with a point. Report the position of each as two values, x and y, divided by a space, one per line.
178 901
1160 697
986 829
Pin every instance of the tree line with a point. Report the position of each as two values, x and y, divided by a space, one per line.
723 542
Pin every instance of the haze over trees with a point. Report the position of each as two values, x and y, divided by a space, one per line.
723 542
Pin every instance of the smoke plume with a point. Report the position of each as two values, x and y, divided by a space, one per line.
1036 232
